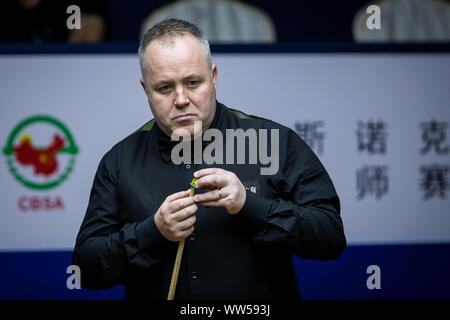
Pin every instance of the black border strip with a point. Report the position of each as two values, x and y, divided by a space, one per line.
294 47
278 309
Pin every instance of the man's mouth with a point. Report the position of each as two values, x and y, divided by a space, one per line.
184 117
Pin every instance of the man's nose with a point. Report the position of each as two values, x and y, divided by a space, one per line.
181 99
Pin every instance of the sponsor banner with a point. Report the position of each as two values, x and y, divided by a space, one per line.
379 123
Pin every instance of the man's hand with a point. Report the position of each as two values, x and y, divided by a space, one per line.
175 218
228 191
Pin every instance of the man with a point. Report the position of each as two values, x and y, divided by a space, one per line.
241 228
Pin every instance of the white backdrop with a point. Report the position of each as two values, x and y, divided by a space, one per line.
99 99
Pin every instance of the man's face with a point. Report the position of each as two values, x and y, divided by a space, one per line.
179 84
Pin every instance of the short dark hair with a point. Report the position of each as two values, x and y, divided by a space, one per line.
169 29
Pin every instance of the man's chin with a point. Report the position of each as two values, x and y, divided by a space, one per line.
192 129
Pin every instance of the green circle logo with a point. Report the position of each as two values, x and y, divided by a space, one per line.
40 152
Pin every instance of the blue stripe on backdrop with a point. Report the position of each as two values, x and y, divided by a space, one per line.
419 271
42 275
407 272
288 47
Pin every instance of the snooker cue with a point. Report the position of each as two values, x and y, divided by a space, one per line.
176 267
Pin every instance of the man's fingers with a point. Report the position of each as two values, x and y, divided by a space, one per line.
187 224
212 181
185 213
180 203
177 195
212 195
208 171
185 233
212 198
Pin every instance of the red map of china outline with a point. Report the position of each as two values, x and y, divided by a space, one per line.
43 160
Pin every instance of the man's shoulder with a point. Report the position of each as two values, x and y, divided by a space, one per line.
287 137
136 137
134 140
244 116
148 126
253 121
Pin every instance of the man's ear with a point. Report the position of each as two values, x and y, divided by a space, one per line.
143 85
214 75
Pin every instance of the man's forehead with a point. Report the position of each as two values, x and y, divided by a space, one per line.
180 54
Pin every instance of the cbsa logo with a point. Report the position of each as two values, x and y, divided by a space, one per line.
40 153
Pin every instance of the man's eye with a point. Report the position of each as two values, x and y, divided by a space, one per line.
165 88
192 83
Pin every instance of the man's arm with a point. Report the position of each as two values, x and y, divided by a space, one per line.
303 211
104 247
306 215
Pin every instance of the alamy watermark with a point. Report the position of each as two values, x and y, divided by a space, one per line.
374 20
374 280
74 280
74 20
213 153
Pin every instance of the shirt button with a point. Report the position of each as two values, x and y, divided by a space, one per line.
194 275
188 166
192 238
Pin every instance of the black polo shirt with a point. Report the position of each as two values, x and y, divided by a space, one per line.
248 255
